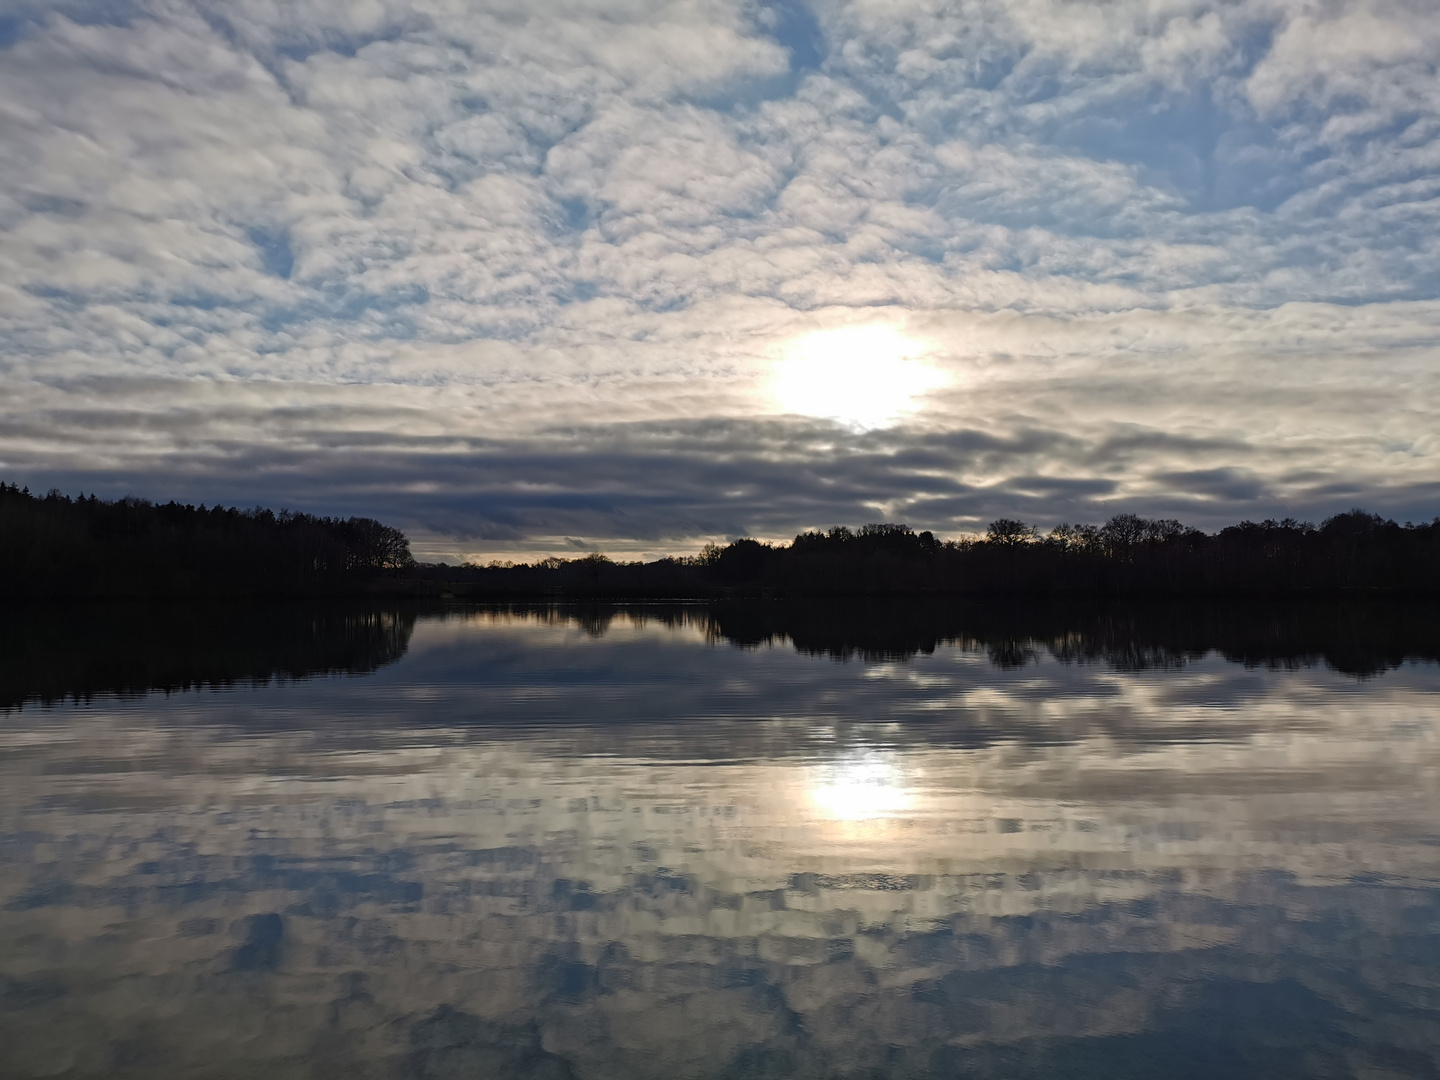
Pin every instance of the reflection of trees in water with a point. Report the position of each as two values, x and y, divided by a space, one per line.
1008 654
594 618
49 654
52 653
1356 637
469 916
1353 637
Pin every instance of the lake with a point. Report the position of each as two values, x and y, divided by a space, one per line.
750 839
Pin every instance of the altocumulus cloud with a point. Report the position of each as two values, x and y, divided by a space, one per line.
516 275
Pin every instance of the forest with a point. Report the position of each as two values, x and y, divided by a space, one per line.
1353 552
56 546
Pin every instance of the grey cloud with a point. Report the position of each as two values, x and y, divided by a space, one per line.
665 482
1230 485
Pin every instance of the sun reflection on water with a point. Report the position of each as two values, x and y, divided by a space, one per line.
867 787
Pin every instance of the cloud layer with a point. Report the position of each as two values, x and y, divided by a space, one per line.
517 274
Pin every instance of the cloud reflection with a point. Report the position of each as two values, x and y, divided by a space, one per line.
540 846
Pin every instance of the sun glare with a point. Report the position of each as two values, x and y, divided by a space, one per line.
865 376
861 789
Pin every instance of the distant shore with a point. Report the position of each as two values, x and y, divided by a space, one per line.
54 546
1356 553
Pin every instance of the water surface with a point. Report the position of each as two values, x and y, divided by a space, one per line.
737 841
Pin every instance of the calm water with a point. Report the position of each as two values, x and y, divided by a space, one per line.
755 841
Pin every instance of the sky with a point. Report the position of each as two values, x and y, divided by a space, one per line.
529 277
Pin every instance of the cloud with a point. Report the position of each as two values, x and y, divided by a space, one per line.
1319 60
1191 243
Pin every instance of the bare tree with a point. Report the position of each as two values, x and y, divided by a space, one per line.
1008 532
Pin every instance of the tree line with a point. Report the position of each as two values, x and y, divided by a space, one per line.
1351 552
54 545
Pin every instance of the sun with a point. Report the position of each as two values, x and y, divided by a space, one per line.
863 376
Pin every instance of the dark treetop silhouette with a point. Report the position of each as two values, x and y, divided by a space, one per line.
57 546
1351 552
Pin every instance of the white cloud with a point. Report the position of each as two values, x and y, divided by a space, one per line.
1322 59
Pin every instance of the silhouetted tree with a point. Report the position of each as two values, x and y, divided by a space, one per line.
129 547
54 545
1008 532
1128 554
